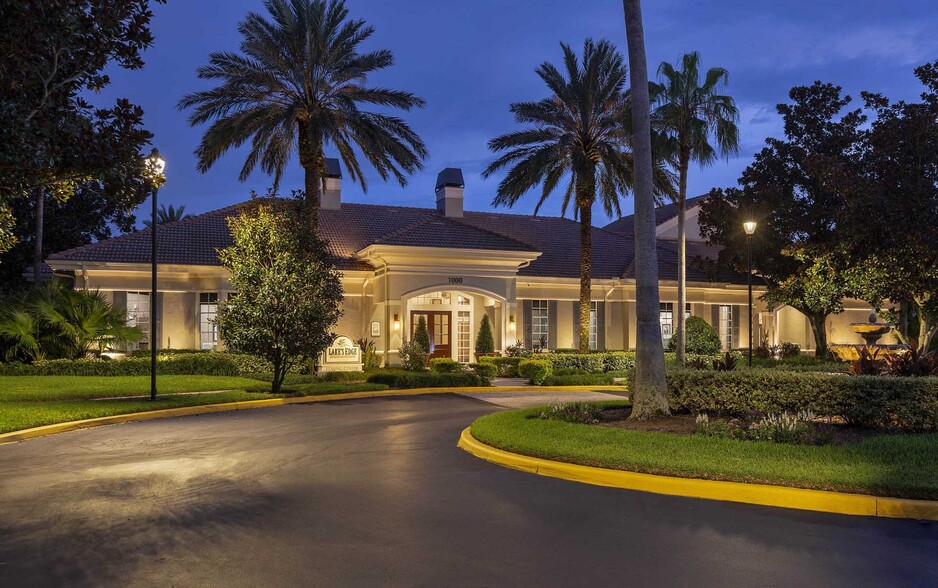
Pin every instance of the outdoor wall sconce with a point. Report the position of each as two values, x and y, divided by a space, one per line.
397 322
511 323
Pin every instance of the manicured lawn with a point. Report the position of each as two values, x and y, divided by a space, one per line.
32 401
14 388
886 465
15 416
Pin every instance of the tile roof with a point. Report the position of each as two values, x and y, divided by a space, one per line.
663 214
195 239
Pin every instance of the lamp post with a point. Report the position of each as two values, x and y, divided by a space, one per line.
156 165
750 228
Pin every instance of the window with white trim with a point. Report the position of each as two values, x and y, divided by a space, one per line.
726 326
540 324
463 334
138 315
667 320
208 312
594 325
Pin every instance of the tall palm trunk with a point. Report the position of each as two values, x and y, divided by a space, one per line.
311 158
586 272
37 246
682 256
650 389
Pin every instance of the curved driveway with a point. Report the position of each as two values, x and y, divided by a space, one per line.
375 492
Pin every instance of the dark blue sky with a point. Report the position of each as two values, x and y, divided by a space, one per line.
470 59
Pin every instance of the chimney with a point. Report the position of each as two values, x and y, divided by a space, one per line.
331 196
449 189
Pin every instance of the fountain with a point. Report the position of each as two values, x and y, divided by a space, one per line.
871 332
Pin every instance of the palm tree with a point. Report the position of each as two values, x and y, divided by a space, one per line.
297 86
167 215
650 388
577 135
691 113
54 321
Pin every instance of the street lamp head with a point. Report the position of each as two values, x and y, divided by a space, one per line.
750 227
155 162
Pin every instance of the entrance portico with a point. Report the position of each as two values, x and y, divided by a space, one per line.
452 288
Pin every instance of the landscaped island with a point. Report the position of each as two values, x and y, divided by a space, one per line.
881 464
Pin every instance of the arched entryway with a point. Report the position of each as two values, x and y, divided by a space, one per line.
453 319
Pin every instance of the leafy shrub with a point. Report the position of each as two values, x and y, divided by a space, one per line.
789 350
586 362
169 351
370 358
339 377
485 371
579 380
726 364
699 337
905 403
412 355
485 342
582 413
444 365
517 350
717 428
409 380
618 361
421 335
535 370
912 363
209 364
785 427
507 366
763 352
698 363
868 363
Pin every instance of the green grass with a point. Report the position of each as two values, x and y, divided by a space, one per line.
886 465
15 416
15 388
33 401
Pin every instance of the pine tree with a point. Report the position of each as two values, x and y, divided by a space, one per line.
485 343
421 335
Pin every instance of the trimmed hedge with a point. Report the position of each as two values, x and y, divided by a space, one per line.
188 365
407 380
579 380
910 404
535 370
486 371
444 365
507 366
169 362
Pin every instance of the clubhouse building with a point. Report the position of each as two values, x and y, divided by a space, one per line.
448 265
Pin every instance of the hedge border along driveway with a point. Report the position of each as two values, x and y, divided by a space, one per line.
901 466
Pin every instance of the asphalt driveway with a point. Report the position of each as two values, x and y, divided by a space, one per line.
375 492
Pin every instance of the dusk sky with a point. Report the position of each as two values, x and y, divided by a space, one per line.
471 59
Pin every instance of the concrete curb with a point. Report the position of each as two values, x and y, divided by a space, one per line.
56 428
761 494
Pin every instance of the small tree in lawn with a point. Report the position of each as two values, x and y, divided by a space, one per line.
422 335
288 294
485 342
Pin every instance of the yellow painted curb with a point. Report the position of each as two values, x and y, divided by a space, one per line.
248 404
761 494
